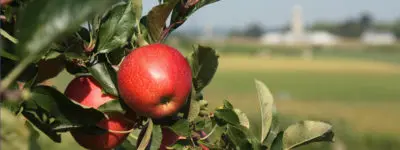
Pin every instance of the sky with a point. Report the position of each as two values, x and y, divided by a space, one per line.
272 13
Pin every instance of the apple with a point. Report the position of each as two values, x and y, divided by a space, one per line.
116 121
155 80
86 91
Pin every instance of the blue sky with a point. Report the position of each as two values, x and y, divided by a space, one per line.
238 13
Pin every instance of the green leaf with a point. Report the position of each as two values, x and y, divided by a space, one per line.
51 112
204 63
277 144
145 140
157 18
194 110
33 138
275 128
156 138
130 142
244 121
227 116
306 132
114 105
181 144
103 72
42 22
227 105
238 138
117 28
266 104
74 68
115 57
181 127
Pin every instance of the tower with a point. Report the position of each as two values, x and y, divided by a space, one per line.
297 21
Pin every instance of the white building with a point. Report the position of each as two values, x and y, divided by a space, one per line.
322 38
378 38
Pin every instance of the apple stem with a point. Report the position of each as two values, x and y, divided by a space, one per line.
209 134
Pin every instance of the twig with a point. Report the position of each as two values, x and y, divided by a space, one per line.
8 36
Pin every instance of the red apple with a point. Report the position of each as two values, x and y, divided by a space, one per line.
86 91
155 80
117 122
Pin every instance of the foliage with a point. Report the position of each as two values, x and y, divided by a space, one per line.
51 33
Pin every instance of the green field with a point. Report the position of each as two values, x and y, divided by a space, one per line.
357 92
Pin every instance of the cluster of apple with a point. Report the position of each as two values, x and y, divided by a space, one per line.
153 81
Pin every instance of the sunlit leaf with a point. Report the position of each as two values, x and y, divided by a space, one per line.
306 132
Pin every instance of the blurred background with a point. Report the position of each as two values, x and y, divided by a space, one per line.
336 61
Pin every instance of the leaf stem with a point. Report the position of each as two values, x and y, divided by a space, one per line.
209 134
8 36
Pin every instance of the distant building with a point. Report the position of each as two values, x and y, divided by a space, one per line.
297 34
378 38
272 38
322 38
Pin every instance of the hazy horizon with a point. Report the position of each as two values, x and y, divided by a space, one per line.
228 14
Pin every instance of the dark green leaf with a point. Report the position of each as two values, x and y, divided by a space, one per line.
52 112
42 22
204 62
115 57
156 138
74 68
266 104
238 137
227 105
157 18
103 72
7 65
181 127
200 123
117 27
277 144
306 132
227 116
181 144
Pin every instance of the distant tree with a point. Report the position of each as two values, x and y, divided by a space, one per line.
323 26
254 30
350 28
396 28
366 20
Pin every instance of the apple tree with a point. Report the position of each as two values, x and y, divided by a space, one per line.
131 90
